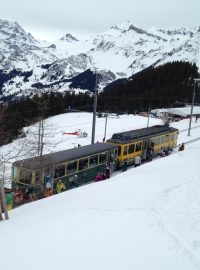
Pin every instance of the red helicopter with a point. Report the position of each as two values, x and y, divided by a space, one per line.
79 133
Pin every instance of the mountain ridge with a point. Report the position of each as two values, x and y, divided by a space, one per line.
117 53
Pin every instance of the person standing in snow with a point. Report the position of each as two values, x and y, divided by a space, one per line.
9 200
98 177
137 161
60 187
149 154
124 166
48 181
30 195
48 192
161 152
103 175
181 147
108 171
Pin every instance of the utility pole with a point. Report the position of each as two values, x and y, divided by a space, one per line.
148 117
3 198
104 139
39 136
193 98
94 109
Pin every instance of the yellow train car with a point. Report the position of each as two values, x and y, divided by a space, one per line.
138 142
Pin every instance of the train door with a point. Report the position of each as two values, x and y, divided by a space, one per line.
144 149
112 159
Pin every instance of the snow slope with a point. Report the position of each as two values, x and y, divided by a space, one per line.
146 218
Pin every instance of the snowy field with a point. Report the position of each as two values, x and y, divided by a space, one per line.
147 218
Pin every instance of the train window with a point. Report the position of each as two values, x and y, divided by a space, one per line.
59 171
37 177
125 150
113 155
48 170
131 148
15 169
175 135
151 143
93 161
162 139
157 141
83 164
102 158
138 147
25 176
119 150
71 167
171 137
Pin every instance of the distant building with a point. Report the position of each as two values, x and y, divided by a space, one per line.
177 113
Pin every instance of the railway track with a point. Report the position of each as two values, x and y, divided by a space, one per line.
191 141
186 129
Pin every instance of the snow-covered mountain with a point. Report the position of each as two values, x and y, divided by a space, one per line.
20 49
27 64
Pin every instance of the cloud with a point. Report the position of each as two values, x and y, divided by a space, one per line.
90 16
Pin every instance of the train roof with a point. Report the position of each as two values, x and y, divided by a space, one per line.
63 156
143 133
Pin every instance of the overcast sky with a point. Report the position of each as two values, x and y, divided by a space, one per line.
50 19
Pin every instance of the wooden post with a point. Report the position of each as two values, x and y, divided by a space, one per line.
1 217
3 197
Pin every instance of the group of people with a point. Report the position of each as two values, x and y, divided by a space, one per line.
104 175
60 187
137 162
14 197
165 152
181 147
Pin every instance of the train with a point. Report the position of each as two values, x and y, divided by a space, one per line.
83 163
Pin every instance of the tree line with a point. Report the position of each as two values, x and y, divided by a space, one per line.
152 88
26 111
